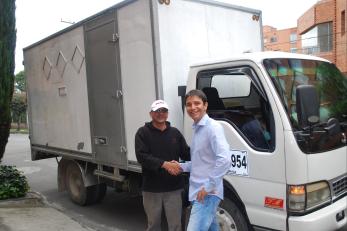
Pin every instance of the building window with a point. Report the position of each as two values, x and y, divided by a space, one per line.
273 39
318 39
293 38
343 23
293 50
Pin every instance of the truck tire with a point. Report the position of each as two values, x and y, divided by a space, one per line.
78 193
230 217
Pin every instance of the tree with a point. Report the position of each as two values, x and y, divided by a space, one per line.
19 82
7 64
332 88
18 108
19 103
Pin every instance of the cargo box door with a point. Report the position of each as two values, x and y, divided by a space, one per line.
104 87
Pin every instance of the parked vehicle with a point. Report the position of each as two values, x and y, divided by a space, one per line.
285 117
89 87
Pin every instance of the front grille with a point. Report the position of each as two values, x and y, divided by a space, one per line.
340 186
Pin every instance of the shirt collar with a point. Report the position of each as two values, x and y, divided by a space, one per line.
202 121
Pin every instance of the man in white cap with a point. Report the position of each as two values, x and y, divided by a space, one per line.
156 145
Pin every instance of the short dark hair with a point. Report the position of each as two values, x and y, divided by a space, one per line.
197 93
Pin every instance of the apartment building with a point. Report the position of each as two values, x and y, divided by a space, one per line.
281 40
323 31
320 31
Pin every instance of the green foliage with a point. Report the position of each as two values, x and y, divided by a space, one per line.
19 107
13 183
19 82
333 89
7 65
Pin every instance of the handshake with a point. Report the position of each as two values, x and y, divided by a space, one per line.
173 167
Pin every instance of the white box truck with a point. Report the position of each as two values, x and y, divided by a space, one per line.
90 86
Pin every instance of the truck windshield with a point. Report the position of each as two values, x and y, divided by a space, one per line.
330 131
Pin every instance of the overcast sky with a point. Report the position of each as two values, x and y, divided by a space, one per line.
37 19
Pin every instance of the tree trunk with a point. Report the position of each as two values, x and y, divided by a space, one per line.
18 125
4 134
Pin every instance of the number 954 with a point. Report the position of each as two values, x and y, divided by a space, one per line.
238 161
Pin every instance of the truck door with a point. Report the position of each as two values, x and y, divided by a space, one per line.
104 87
241 102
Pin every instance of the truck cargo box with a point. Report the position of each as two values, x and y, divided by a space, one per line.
90 85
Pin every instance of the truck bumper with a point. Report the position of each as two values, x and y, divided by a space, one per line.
332 217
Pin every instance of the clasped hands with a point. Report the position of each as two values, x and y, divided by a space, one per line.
173 167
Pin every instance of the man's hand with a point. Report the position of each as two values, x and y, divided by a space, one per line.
201 195
172 167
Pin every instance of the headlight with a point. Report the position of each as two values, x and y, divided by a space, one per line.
302 198
317 194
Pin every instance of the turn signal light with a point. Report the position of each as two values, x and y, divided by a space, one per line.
297 190
303 198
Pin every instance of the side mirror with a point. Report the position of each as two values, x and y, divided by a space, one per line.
307 105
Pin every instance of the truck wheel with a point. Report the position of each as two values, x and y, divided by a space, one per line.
230 217
78 192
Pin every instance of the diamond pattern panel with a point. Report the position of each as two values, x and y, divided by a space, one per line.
61 63
47 67
77 59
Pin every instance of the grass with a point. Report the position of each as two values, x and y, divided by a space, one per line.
21 131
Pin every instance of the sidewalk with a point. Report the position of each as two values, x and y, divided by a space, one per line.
33 213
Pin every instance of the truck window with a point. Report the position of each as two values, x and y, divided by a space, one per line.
233 97
287 74
237 86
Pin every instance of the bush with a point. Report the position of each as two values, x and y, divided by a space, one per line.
13 183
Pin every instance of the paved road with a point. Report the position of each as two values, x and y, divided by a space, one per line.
117 211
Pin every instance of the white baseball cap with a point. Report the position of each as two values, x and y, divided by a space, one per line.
159 104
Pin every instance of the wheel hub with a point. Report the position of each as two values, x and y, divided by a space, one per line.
75 184
225 221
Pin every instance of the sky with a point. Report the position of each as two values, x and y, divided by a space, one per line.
37 19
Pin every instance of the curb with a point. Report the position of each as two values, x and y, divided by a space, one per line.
31 199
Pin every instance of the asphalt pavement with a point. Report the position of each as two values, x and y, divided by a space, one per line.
118 211
32 212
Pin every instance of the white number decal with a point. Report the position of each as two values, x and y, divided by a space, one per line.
239 163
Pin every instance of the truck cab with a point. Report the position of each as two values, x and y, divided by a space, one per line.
285 118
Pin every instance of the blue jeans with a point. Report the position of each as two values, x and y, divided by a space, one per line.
203 215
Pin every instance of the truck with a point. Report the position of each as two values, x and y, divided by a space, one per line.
90 85
284 116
